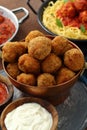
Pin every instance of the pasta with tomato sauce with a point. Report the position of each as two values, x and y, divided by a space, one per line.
68 19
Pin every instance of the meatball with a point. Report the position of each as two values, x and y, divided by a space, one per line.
83 17
45 79
67 10
64 74
80 5
28 64
39 47
51 64
28 79
13 70
74 59
60 45
33 34
12 50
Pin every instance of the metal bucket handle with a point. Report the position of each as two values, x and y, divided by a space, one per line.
21 9
31 7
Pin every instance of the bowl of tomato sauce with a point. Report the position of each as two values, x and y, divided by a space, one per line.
6 92
9 23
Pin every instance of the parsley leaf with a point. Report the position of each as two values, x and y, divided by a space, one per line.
66 1
82 28
52 14
59 23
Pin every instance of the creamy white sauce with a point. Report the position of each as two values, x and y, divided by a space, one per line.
29 116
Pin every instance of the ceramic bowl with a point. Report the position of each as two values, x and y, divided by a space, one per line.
49 107
55 94
9 88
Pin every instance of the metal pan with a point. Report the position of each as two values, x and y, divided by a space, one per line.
39 14
11 15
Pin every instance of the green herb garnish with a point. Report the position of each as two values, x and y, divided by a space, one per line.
82 28
65 1
59 23
52 14
73 0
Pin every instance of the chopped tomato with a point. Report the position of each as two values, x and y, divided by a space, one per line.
3 92
7 29
1 19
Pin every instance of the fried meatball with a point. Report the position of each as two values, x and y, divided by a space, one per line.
33 34
39 47
74 59
13 70
45 79
64 74
28 79
51 64
28 64
12 50
60 45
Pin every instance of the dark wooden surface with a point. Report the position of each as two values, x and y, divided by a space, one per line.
28 25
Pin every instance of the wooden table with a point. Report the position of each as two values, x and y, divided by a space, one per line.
72 113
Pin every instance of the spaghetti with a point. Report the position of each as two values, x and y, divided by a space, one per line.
49 21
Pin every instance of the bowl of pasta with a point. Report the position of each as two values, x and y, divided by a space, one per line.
65 18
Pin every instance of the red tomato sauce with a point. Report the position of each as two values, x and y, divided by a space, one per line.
3 92
71 16
7 29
